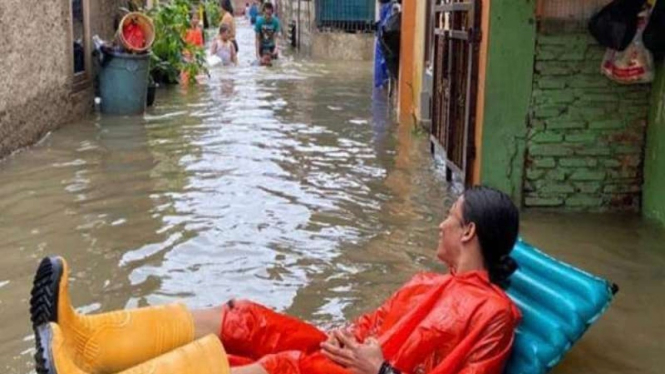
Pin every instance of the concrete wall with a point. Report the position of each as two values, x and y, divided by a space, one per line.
342 46
586 134
654 160
507 94
37 93
329 45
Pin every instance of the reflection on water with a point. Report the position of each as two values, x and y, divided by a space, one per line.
291 186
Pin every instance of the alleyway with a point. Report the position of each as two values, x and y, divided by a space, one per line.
291 186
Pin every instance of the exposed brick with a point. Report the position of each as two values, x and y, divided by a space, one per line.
544 163
543 201
588 187
627 149
607 124
610 163
622 174
551 83
589 113
604 97
640 96
573 54
565 40
586 136
547 137
631 160
534 174
588 81
550 150
587 175
553 188
581 138
593 151
636 109
575 162
622 188
549 111
557 68
563 123
556 175
586 201
557 96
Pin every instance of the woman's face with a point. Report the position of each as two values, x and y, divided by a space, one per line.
451 231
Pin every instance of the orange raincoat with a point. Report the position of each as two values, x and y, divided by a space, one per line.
436 324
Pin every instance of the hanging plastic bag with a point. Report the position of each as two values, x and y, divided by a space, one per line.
615 25
634 65
654 34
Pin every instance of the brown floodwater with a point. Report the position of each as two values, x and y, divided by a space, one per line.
292 186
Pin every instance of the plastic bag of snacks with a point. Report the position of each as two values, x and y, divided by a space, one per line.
634 65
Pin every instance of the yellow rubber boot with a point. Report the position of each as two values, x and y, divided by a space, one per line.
108 342
203 356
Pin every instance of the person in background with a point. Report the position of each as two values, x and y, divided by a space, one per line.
194 35
247 11
254 12
223 47
267 30
229 20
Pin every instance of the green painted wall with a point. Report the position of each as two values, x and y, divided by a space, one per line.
654 159
512 38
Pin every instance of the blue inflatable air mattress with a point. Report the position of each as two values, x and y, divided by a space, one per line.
558 304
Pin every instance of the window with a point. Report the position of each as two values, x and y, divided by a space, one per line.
80 46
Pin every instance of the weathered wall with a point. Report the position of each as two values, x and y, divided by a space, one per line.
654 160
586 133
509 73
36 94
342 46
323 45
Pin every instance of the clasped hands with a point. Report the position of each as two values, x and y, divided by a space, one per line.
359 358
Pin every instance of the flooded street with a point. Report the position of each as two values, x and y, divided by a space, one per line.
292 186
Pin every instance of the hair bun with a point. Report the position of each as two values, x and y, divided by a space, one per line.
501 270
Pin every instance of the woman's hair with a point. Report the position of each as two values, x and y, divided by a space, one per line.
497 224
227 6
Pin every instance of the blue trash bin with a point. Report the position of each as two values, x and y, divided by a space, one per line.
123 83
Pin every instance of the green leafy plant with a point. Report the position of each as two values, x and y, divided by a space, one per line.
213 13
171 20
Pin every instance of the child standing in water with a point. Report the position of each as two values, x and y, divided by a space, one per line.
193 37
223 47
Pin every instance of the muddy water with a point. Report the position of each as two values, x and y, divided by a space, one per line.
291 186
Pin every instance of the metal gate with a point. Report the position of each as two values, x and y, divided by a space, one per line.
456 45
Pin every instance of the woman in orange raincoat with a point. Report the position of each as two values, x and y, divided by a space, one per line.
461 322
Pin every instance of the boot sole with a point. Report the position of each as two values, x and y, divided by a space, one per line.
44 355
45 292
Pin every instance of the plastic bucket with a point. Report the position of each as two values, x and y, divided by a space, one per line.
123 83
144 23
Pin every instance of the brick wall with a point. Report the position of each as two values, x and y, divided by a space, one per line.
585 141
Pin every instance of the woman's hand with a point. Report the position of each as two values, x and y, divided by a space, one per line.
359 358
